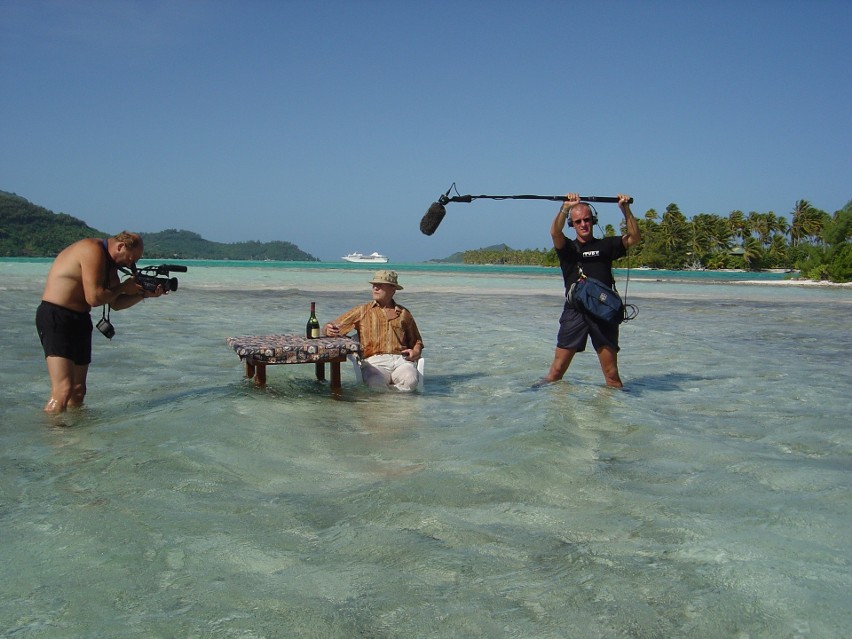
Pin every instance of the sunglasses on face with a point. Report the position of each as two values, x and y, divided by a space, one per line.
586 220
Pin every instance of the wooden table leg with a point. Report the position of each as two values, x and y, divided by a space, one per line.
257 370
335 375
260 374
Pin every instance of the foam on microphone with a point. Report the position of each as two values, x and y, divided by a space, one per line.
429 223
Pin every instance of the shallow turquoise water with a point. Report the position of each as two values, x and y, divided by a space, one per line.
708 499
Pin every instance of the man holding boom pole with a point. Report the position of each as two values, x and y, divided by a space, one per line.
595 257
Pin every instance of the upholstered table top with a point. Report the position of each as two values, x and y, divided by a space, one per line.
292 349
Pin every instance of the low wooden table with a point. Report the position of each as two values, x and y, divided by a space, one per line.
260 351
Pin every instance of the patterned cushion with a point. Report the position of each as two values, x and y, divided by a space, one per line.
292 349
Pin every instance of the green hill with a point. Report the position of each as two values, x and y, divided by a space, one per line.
175 244
458 258
28 230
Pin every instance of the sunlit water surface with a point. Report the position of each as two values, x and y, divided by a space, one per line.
710 498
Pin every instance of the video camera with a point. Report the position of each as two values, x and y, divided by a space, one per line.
148 280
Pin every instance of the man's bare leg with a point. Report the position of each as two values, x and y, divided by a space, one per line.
67 384
561 360
609 365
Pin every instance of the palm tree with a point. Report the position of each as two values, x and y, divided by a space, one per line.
759 223
752 252
815 227
777 252
782 226
738 225
674 236
808 223
703 240
722 235
801 212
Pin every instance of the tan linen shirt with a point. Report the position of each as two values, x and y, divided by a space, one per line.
378 334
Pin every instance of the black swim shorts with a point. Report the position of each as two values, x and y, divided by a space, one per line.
64 333
575 328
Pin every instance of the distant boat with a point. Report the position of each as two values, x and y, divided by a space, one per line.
373 258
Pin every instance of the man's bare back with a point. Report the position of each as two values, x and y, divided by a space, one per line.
83 275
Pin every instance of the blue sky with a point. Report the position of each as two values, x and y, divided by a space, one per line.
334 125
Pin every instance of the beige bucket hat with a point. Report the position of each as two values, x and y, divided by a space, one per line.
386 277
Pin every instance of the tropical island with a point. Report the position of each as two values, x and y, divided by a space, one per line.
814 243
28 230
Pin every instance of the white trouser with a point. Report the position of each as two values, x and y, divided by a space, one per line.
383 371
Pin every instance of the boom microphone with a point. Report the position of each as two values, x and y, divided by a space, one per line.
437 211
429 223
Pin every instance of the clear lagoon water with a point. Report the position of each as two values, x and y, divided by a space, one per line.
709 498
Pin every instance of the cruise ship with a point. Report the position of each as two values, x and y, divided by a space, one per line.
373 258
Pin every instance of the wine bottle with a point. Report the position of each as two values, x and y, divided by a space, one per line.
312 330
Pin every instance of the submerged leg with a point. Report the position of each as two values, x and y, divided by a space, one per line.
67 384
561 360
405 377
609 365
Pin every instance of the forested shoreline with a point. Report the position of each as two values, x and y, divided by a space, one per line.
814 243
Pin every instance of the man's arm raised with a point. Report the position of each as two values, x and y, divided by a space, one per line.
556 232
633 236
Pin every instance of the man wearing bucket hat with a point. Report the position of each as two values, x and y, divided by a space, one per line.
390 341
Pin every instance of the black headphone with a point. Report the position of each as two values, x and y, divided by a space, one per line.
591 208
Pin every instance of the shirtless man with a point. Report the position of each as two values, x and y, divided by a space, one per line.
83 275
